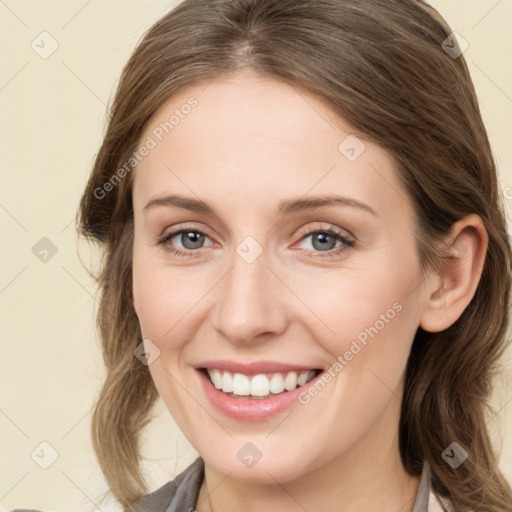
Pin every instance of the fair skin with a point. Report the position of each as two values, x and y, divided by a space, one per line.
251 143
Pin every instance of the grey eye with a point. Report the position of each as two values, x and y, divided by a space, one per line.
190 239
322 241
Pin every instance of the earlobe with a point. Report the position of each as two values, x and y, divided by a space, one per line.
448 293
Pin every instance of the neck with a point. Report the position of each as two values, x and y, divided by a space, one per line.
369 476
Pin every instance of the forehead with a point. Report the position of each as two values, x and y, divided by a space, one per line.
250 137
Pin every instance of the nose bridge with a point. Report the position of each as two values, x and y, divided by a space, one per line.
247 303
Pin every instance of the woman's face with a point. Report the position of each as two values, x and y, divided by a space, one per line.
242 266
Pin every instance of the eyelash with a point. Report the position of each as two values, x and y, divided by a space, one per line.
346 242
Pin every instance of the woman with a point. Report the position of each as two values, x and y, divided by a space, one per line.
306 257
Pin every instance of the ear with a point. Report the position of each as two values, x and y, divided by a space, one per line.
450 291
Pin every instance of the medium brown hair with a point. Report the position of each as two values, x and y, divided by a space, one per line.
379 64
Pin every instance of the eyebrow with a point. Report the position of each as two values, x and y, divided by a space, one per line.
285 207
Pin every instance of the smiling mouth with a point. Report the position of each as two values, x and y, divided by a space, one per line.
258 386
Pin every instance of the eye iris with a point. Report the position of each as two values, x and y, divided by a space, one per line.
193 238
325 243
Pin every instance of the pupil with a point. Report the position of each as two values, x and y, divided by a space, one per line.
323 238
191 240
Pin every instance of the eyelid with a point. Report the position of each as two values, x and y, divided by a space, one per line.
325 227
167 236
347 239
305 230
185 227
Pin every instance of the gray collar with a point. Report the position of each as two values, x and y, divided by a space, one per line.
423 494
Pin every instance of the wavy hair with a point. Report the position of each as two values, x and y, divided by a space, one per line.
382 66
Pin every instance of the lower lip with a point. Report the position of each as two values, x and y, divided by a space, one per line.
251 409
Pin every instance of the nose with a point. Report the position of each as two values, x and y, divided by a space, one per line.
249 303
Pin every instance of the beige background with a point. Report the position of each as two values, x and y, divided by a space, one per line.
53 113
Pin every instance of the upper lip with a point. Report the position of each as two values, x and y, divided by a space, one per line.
254 367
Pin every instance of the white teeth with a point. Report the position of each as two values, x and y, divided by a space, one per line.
290 382
303 378
276 383
259 385
241 384
216 377
227 382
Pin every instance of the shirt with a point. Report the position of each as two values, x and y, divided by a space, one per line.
181 494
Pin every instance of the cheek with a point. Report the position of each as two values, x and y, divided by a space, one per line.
366 318
165 298
363 301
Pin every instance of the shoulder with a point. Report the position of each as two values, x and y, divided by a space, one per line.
179 494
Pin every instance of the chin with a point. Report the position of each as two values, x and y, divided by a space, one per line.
283 465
